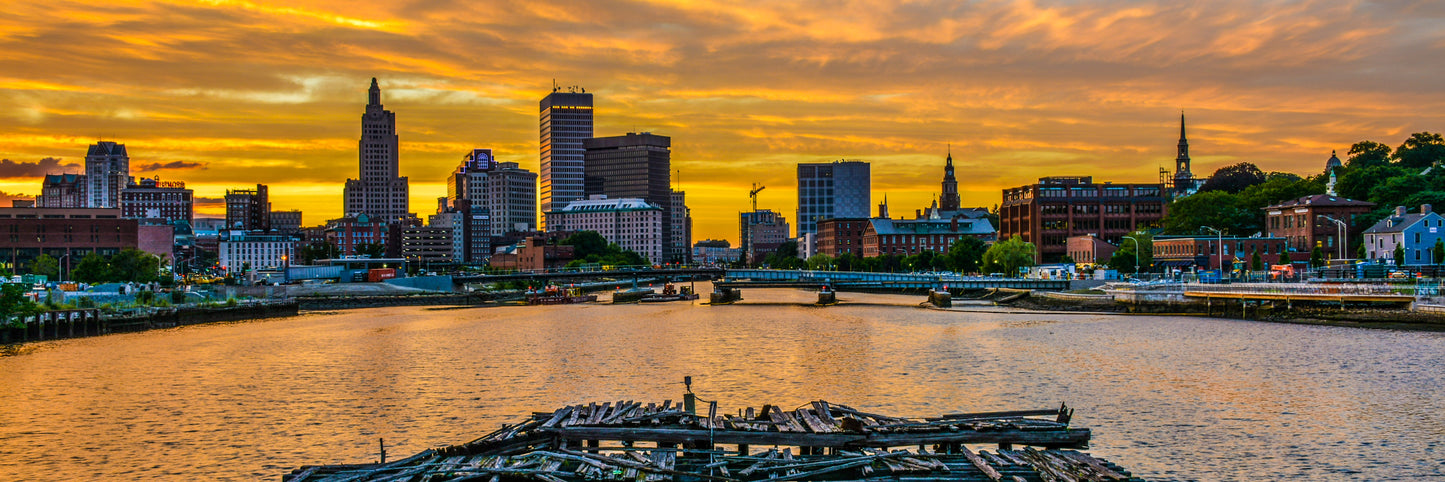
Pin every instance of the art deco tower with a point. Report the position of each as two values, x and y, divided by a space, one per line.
949 200
380 193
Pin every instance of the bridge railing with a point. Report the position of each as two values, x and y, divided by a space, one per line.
1315 289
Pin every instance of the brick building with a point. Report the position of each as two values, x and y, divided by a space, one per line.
913 236
841 235
1203 252
1305 222
1089 249
1056 208
65 234
156 199
533 254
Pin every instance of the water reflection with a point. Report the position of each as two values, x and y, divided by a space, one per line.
1170 398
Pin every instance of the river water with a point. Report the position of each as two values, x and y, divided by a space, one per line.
1170 398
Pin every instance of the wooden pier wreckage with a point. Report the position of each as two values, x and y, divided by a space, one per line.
637 442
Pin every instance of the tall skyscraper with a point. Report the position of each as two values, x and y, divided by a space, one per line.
636 165
832 190
566 120
948 201
107 171
380 193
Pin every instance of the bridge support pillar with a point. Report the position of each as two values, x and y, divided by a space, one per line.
827 297
941 299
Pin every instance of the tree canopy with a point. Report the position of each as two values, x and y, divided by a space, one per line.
589 247
1422 149
126 266
1008 256
1233 179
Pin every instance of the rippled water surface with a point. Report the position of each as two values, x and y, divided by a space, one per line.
1171 398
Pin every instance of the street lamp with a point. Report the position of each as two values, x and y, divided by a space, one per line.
1221 248
60 268
1136 253
1341 224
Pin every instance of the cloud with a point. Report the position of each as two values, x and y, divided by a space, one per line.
49 165
6 198
156 166
271 91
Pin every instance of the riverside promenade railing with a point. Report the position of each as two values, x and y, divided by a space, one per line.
1302 291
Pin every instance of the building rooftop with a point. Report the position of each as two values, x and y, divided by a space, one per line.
1320 200
601 203
931 226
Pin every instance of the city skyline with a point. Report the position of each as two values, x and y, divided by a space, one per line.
231 94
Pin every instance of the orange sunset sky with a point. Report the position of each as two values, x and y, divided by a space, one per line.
226 94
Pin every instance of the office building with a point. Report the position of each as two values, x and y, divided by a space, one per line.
239 251
380 192
1057 208
637 165
62 191
566 120
427 244
681 221
156 199
839 236
347 233
286 222
248 209
632 223
832 190
503 191
761 232
107 171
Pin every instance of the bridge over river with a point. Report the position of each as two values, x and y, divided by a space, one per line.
777 278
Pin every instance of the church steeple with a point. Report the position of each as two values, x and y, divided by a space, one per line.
1181 163
949 200
883 208
374 94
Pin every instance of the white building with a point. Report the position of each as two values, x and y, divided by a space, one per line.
259 252
632 223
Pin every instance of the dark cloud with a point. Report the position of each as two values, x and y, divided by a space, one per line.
49 165
203 200
6 197
156 166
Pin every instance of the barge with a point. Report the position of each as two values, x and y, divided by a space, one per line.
636 441
556 295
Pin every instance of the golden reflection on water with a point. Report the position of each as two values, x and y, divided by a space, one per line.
1169 398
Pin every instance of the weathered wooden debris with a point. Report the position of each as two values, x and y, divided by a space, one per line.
649 442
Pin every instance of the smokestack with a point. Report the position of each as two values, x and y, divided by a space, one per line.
1399 210
1424 209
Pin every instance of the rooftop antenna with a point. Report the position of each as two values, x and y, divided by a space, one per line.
554 85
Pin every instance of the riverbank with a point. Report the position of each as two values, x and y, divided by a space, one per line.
1374 317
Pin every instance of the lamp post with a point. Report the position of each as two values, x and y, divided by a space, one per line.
1341 224
60 268
1221 248
1136 253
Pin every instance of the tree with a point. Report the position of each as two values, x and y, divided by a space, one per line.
820 262
1360 251
1008 256
93 268
785 256
1256 263
1399 254
1358 183
1438 252
1284 256
47 266
371 250
847 262
1216 209
134 265
586 243
965 254
1421 150
1367 153
14 305
1317 257
1233 179
319 250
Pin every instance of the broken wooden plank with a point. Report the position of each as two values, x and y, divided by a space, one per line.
991 472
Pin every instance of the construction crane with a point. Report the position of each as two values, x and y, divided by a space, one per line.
754 194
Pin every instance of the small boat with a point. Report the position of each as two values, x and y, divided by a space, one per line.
556 295
670 293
